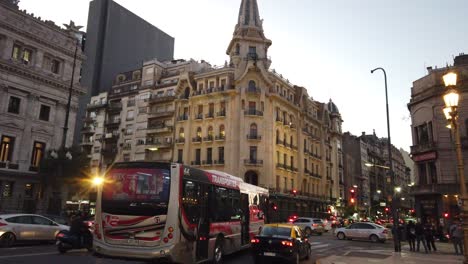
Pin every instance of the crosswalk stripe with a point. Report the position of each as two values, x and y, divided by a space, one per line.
319 246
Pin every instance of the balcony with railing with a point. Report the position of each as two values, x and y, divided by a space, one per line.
253 112
109 151
199 117
208 139
279 142
220 138
423 147
254 137
219 162
316 175
180 141
197 139
208 162
253 162
279 120
253 91
114 107
182 118
111 137
113 122
87 143
196 163
153 129
161 98
9 165
307 171
97 105
221 113
209 115
157 143
161 113
88 130
280 166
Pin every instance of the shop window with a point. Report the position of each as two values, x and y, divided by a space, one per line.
37 153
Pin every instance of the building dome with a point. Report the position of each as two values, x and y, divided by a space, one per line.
332 108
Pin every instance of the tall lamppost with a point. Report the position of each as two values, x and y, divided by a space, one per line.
396 239
451 99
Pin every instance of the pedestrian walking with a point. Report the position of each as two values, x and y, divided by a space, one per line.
456 234
420 236
411 235
429 233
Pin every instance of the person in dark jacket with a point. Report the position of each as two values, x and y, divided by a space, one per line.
77 226
429 233
420 236
411 235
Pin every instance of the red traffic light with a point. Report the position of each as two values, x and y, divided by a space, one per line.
294 191
446 215
275 207
352 200
386 209
352 190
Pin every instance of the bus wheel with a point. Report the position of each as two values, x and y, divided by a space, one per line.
218 251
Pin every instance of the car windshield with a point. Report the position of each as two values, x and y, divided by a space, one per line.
276 231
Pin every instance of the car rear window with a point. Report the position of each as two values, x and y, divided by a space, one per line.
276 231
318 221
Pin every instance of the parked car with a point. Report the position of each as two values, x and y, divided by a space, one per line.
367 231
310 225
27 227
284 242
58 219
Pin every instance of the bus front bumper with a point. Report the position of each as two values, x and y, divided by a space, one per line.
163 252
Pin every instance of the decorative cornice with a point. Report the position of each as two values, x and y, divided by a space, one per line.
34 75
69 52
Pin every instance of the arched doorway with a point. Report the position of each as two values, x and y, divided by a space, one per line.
251 177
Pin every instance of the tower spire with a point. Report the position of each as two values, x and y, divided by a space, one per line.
248 14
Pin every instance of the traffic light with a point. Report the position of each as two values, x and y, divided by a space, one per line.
294 192
387 209
274 206
352 199
446 215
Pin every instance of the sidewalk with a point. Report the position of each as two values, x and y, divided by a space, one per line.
444 255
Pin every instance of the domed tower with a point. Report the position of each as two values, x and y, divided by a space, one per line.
249 46
336 139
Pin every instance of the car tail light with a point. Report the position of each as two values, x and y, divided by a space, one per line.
287 243
170 236
3 224
60 235
314 225
255 240
166 240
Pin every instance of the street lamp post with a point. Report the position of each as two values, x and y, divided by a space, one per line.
451 99
396 239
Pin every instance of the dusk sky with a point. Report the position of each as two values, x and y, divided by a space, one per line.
329 47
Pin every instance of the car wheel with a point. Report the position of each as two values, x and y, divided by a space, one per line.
374 238
341 236
7 239
61 248
308 231
218 251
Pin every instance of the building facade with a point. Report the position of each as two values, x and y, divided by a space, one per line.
138 41
242 118
437 185
367 174
36 64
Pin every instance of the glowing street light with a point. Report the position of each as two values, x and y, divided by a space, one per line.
98 181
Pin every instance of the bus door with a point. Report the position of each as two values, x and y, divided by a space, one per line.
203 227
245 219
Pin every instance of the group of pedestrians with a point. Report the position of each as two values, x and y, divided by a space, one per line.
417 234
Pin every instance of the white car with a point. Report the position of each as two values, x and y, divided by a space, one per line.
27 227
310 225
366 231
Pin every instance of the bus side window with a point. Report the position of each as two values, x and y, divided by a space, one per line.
190 201
236 211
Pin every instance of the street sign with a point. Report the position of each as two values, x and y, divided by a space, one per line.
383 204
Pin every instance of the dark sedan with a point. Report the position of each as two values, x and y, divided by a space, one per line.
281 242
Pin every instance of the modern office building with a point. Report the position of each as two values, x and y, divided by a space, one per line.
242 118
437 185
117 41
36 65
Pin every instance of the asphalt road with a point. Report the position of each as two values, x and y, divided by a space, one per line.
322 246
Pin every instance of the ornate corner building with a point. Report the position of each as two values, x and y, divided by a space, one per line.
241 118
437 185
36 61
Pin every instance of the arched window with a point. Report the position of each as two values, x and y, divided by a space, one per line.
187 93
222 132
210 132
199 133
252 85
181 133
253 130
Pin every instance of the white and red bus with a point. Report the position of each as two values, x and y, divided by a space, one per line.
152 210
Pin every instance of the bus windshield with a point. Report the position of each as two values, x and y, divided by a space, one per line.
136 191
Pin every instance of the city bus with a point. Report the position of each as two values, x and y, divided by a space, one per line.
173 212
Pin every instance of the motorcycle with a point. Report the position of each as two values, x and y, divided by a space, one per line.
67 241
